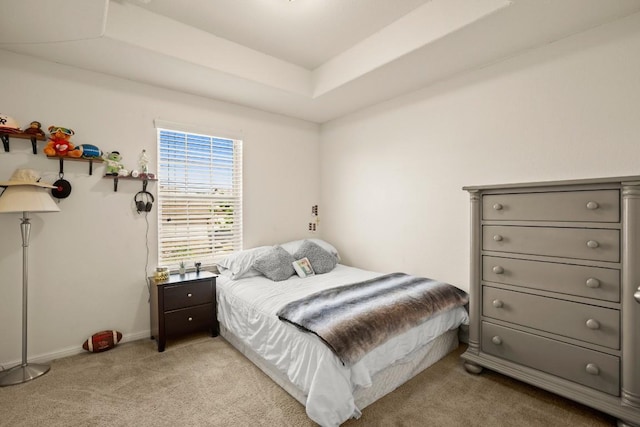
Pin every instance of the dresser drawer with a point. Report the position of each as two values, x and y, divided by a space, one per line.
578 280
587 367
578 243
187 295
188 320
589 323
575 206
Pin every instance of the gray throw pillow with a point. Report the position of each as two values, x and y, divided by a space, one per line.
321 260
276 264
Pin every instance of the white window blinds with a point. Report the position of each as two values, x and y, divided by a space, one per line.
199 197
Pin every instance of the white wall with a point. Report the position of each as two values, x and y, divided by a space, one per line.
87 263
392 174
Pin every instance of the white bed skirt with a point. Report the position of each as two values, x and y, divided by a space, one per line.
384 382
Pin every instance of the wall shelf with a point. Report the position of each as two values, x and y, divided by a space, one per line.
116 178
77 159
21 135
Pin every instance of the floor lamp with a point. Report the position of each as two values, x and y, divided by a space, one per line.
23 193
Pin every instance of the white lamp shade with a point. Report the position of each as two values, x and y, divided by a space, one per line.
27 198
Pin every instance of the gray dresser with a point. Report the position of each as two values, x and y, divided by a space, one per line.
555 289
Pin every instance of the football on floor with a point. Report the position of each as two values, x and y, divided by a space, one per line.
102 341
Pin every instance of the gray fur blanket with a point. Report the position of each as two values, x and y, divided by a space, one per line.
354 319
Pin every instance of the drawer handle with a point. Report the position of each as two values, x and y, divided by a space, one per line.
593 283
592 369
496 340
189 295
497 238
593 244
497 303
637 295
498 270
592 205
593 324
190 319
497 206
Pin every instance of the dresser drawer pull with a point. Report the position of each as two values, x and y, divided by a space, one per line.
496 340
498 270
593 324
593 283
497 206
592 205
637 295
593 244
592 369
497 303
497 238
189 295
190 319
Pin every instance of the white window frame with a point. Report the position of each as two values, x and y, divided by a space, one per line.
199 195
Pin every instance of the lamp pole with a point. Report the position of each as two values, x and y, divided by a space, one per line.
24 193
25 371
25 228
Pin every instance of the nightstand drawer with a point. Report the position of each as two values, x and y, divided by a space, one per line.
578 243
188 320
597 325
579 280
188 294
575 206
587 367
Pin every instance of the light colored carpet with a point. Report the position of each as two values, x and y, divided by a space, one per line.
203 381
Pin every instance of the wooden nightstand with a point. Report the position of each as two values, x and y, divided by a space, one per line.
183 304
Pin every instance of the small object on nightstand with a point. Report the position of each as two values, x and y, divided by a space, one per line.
198 264
161 274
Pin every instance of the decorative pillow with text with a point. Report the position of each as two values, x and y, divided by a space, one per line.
303 267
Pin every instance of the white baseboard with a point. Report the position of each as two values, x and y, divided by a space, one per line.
70 351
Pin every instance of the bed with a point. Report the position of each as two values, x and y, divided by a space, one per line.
301 362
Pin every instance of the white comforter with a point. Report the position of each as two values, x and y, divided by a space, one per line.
247 307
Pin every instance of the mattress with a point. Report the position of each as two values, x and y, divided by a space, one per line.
247 313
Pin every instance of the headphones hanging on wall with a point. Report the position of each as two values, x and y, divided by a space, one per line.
144 201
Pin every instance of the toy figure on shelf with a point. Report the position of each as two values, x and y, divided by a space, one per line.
114 166
59 144
35 129
86 151
144 163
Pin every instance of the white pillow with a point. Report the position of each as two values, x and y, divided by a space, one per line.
293 246
238 265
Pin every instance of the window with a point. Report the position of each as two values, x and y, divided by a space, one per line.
199 197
